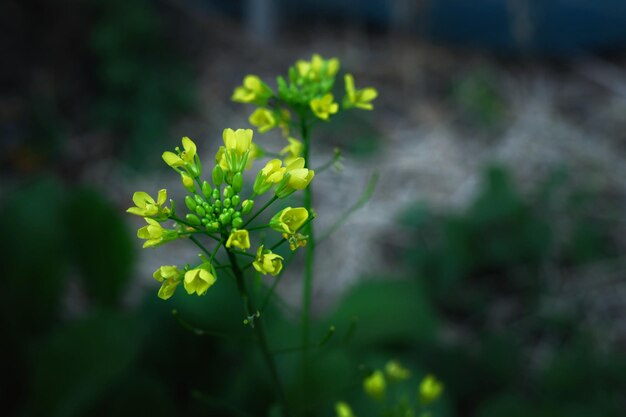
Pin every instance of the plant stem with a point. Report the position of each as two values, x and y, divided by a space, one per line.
310 250
259 328
271 200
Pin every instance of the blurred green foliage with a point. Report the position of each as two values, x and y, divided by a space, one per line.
468 308
143 82
479 100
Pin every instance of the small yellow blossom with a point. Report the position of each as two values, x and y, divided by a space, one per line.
145 205
170 277
430 389
237 146
296 177
253 90
271 174
155 234
267 262
296 240
343 409
324 106
397 372
184 158
317 68
358 98
263 119
239 239
293 150
289 220
198 281
375 385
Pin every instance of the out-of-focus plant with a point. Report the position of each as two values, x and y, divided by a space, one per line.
143 83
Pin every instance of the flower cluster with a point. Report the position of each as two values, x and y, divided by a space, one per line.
216 208
306 91
376 385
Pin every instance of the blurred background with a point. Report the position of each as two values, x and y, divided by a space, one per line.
492 252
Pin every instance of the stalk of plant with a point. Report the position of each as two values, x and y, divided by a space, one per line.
307 93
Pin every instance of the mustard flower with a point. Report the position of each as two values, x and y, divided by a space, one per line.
155 234
293 150
324 106
237 145
267 262
253 90
430 389
375 385
296 240
397 372
296 177
145 205
289 220
198 280
187 158
170 276
358 98
343 409
263 119
317 68
272 173
239 239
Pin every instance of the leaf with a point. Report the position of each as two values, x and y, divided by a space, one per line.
100 244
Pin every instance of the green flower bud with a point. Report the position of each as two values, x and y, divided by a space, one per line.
237 222
206 189
237 182
246 206
206 206
200 211
235 200
204 221
236 214
230 210
218 175
187 182
193 219
216 194
227 218
227 202
197 198
228 191
218 204
215 226
190 203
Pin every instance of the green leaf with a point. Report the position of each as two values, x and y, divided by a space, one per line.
101 245
73 366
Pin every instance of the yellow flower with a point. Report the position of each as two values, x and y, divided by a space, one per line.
237 147
145 205
239 239
397 372
183 159
294 150
263 119
289 220
324 106
271 174
375 385
343 409
267 262
155 234
296 177
358 98
170 277
198 281
317 68
430 389
255 153
252 90
296 240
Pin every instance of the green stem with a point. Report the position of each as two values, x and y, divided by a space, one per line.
271 200
259 328
310 250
